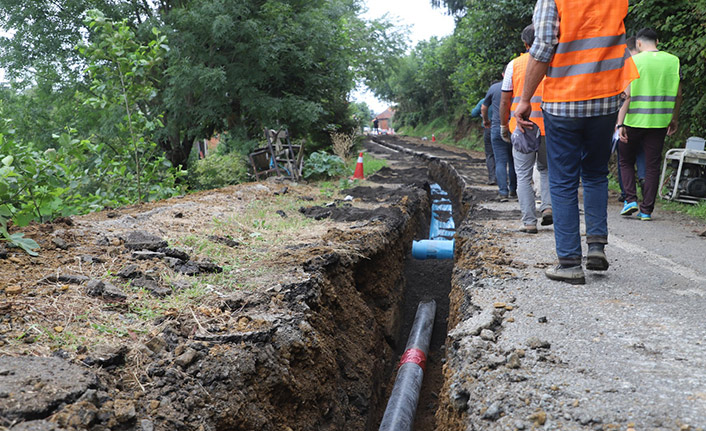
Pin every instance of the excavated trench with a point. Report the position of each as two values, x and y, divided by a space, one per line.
319 354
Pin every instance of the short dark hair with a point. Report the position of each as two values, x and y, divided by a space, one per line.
528 35
631 43
648 34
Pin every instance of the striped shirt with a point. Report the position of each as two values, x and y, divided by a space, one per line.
546 25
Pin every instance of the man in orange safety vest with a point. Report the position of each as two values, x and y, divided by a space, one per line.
580 52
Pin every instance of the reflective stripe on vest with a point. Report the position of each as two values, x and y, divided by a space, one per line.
591 60
519 66
653 96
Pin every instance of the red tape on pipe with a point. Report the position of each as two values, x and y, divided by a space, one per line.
416 356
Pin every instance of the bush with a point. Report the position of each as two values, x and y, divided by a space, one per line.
218 171
321 165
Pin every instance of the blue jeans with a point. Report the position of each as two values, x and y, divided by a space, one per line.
578 149
489 157
504 164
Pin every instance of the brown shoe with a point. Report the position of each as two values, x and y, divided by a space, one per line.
547 217
529 228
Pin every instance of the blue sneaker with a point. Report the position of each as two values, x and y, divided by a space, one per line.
629 208
643 216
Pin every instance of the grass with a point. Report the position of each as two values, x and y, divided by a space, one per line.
697 211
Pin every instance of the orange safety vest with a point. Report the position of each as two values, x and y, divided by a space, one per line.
591 60
519 65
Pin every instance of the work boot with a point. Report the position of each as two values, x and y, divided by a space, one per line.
595 259
501 198
568 274
547 217
512 195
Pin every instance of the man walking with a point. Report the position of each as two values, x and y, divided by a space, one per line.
580 48
504 165
489 157
650 113
524 161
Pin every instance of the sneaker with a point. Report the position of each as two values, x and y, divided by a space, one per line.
570 274
629 208
643 216
595 258
502 198
529 228
512 195
547 217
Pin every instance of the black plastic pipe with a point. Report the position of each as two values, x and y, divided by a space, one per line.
402 405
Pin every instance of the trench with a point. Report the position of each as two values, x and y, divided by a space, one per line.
424 280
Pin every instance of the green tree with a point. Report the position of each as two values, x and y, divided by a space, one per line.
682 31
124 76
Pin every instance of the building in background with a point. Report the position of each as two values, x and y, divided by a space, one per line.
385 120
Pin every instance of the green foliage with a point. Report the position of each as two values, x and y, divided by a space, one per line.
681 27
321 165
218 171
124 73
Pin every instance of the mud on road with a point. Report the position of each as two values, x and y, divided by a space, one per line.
280 306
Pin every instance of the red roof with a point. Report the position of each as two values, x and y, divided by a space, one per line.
386 114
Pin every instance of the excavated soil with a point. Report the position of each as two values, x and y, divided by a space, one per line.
268 306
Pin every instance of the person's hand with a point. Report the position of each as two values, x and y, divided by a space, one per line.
486 124
522 114
623 134
673 126
505 133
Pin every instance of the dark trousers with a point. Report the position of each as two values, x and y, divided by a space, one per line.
489 156
651 141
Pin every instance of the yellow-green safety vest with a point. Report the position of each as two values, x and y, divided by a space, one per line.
654 94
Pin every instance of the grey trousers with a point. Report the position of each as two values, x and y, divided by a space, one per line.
524 165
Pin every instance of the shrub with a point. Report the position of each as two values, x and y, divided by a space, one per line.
321 165
218 171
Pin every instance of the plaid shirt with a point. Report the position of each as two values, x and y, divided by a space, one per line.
546 25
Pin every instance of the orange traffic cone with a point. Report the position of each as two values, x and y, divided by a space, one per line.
358 174
433 138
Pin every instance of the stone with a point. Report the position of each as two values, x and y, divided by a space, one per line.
60 243
140 240
147 425
538 418
124 410
129 272
87 258
535 343
59 380
106 290
519 425
493 412
79 415
495 361
186 358
105 356
487 335
156 344
513 361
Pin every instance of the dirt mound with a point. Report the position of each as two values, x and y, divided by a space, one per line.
226 309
